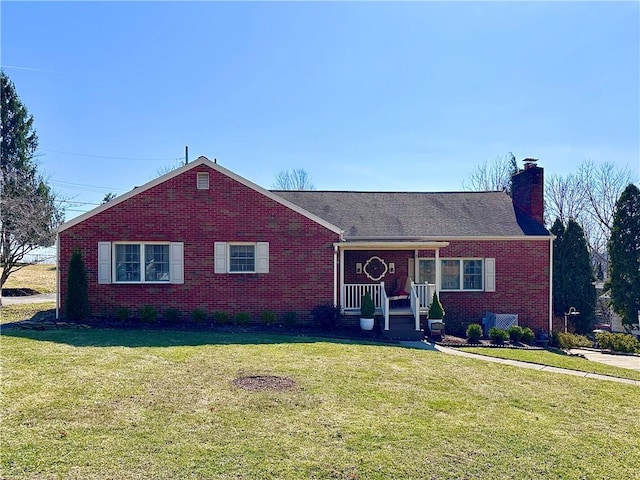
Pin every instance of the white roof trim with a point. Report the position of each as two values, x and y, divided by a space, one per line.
391 245
486 238
174 173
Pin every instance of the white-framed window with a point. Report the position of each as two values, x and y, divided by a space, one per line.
427 270
241 257
461 274
140 262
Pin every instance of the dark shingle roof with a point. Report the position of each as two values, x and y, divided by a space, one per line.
417 215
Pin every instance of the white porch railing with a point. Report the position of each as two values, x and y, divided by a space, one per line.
425 293
385 307
352 295
415 306
420 299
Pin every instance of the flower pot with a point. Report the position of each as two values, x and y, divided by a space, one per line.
366 323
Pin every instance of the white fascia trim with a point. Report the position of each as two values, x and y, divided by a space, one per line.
174 173
381 245
452 239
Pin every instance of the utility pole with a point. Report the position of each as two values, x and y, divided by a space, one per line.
186 154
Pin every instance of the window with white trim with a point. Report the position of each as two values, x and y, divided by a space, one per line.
141 262
461 274
427 270
242 258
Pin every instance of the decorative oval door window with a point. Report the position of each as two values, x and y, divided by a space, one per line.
375 268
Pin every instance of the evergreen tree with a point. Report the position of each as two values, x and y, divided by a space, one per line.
624 256
580 288
559 281
77 301
573 275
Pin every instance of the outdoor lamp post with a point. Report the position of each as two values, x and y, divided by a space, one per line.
572 311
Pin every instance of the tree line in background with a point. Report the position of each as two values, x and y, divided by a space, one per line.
595 215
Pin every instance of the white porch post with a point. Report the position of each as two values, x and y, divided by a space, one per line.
342 278
335 275
416 266
438 273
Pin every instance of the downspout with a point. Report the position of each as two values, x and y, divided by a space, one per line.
550 285
57 275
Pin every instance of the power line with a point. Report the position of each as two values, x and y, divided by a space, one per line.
82 186
113 158
75 204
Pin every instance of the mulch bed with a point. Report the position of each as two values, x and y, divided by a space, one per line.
453 341
18 292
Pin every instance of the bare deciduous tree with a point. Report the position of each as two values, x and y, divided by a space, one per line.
30 218
296 179
494 176
564 198
603 184
589 197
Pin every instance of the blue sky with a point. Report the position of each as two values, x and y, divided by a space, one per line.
363 96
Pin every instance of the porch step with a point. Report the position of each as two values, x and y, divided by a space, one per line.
403 328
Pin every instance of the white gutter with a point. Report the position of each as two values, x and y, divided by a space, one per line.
390 245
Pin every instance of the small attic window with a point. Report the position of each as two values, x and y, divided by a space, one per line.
203 181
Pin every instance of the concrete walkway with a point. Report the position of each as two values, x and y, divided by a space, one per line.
617 360
515 363
39 298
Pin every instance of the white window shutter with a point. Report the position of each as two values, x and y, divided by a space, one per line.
489 274
176 262
104 262
220 257
412 269
262 257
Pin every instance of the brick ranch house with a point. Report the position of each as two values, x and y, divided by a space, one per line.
203 237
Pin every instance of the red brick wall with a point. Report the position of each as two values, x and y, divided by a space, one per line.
300 250
522 279
522 282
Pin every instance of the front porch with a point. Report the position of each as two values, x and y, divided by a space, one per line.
394 313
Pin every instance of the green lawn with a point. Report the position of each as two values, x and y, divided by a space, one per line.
543 357
98 404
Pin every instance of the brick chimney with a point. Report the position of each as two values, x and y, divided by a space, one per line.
527 190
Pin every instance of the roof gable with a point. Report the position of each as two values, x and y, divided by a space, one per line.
179 171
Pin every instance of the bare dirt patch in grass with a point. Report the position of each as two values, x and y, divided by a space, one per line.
261 383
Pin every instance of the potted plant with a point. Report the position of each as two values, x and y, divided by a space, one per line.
367 312
435 318
436 312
